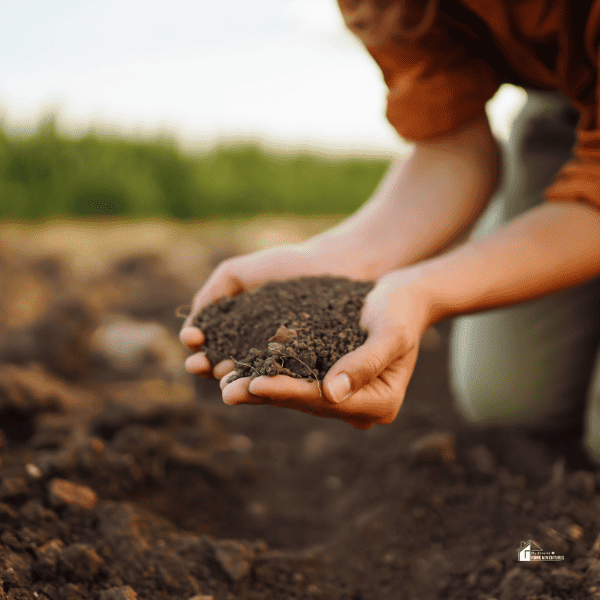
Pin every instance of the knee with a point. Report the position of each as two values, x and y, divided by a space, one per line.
472 386
477 400
591 444
591 439
487 386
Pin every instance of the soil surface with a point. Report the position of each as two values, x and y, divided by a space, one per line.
298 327
122 477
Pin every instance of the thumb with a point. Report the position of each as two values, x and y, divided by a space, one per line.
357 368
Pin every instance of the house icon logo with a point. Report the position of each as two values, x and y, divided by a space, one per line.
525 550
531 551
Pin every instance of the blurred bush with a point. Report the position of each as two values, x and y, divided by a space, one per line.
49 174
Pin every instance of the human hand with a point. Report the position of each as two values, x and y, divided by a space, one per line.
372 379
232 277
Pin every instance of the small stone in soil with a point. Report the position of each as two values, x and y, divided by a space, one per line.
62 491
119 593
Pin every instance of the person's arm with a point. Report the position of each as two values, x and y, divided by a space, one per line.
551 247
424 204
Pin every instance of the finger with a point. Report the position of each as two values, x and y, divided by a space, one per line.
361 424
308 397
198 364
224 379
282 387
222 368
192 337
357 368
304 396
237 392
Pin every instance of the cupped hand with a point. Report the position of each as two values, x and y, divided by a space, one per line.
232 277
367 386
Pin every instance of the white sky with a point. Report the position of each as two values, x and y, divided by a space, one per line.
285 72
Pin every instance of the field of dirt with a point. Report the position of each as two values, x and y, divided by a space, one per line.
123 477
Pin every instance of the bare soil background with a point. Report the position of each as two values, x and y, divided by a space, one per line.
122 477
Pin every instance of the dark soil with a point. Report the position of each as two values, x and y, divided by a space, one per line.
297 327
133 482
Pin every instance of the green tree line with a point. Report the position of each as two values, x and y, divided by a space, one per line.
48 174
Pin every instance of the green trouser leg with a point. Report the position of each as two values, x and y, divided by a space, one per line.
591 441
531 366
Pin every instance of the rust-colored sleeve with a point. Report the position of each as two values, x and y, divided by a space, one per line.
434 85
579 179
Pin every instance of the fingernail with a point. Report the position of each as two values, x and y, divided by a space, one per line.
340 387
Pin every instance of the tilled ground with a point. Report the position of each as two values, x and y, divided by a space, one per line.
121 477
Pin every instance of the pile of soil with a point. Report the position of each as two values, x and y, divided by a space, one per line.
120 479
298 327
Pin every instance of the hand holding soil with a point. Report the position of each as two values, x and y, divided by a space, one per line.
285 334
232 277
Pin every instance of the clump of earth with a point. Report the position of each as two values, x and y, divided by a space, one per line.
297 327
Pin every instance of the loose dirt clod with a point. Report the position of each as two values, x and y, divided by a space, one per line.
298 327
119 593
62 491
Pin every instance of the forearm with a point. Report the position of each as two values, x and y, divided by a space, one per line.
423 205
552 247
